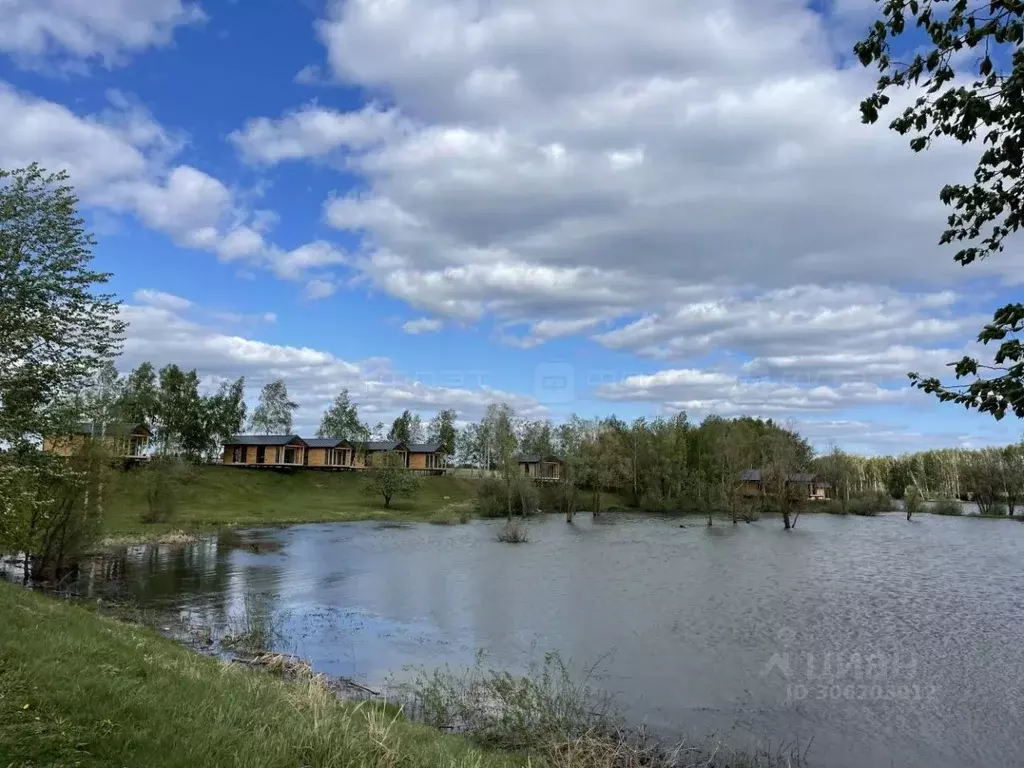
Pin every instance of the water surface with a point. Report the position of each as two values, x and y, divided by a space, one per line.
886 642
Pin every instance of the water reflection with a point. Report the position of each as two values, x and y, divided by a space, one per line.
888 642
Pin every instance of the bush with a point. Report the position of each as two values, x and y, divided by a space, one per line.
492 498
513 532
951 507
163 478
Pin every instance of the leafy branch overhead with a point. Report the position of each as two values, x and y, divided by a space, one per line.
969 81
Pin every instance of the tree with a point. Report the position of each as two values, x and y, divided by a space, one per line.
980 43
225 414
182 429
387 476
442 430
838 468
781 459
403 427
273 413
140 401
55 328
341 420
57 331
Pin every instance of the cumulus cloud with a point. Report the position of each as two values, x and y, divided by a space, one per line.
161 300
163 335
313 132
121 160
422 325
705 392
36 32
320 289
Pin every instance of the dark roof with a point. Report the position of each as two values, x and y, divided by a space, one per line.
90 428
751 475
802 477
424 447
535 458
381 445
263 440
754 476
324 442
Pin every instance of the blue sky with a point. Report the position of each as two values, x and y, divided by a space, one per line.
448 203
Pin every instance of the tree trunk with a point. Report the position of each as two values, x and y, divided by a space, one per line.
387 500
785 519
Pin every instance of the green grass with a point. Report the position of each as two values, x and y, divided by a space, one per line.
77 689
224 496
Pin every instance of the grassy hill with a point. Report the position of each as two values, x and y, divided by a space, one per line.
77 689
216 496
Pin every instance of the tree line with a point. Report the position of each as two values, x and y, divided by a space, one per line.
992 477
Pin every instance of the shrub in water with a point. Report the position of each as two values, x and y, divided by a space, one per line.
513 532
950 507
492 498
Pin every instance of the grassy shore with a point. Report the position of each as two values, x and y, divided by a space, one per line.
77 689
216 497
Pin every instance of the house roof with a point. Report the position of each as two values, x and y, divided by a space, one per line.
535 458
91 428
754 476
424 447
324 442
382 445
264 440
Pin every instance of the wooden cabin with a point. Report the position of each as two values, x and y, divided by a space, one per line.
328 453
265 451
807 485
123 440
543 468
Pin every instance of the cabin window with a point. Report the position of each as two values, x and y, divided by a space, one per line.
238 455
291 455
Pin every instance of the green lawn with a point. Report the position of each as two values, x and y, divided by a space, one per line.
225 496
77 689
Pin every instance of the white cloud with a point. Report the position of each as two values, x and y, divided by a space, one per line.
422 325
293 264
161 300
122 161
161 335
563 167
313 132
320 289
705 392
37 31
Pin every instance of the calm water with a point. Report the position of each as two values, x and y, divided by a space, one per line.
887 642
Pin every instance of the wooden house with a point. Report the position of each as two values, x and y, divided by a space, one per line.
328 453
538 467
265 451
126 441
806 485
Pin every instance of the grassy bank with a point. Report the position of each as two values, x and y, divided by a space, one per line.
79 689
224 496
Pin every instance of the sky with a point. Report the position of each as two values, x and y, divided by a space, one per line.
636 207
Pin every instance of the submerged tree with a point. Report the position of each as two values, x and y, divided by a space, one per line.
969 73
273 413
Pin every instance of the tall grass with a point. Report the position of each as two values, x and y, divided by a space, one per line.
558 719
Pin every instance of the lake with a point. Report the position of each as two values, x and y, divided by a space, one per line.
886 642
